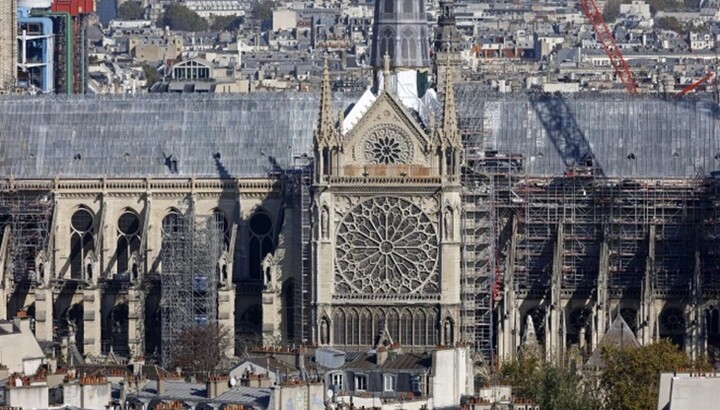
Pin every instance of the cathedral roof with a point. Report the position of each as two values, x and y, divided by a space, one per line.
137 136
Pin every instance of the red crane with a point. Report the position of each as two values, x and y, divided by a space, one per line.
694 85
608 42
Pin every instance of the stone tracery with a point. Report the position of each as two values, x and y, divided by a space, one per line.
386 245
388 145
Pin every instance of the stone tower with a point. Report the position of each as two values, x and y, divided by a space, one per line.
446 42
400 31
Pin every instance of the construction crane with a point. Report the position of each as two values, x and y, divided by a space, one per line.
695 85
611 49
616 58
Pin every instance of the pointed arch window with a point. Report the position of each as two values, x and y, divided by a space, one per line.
82 243
128 243
339 327
408 7
406 335
419 328
409 44
219 221
353 337
388 6
261 242
393 325
387 44
365 328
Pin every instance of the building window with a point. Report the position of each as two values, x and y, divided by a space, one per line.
128 244
219 222
360 382
261 242
82 244
388 383
336 381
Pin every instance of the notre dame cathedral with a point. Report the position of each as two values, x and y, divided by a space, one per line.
423 212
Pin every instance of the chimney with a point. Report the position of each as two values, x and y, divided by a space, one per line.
381 355
160 386
216 385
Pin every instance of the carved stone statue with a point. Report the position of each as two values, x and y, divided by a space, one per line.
324 331
325 222
271 269
448 223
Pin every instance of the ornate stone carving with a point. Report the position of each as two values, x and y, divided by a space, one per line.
386 245
272 272
388 144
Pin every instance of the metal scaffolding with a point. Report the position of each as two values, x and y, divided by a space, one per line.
188 279
489 201
28 214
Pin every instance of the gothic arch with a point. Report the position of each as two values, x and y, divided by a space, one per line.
115 330
219 220
408 7
82 242
408 49
72 320
261 241
128 230
339 333
388 6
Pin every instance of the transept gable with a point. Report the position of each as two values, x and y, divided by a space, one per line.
387 134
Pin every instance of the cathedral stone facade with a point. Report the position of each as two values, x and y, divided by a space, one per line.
405 215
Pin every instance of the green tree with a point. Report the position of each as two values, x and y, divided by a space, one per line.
550 386
131 10
181 18
669 23
263 9
611 10
151 74
631 377
226 23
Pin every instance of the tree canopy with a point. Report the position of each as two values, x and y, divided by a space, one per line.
181 18
550 386
201 349
227 23
263 10
131 10
631 377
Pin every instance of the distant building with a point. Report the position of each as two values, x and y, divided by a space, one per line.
161 48
8 45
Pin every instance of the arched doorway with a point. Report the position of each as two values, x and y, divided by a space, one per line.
115 331
70 322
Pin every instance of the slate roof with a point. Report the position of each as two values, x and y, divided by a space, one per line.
400 361
185 391
133 136
618 335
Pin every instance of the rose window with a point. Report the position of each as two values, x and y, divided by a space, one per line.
386 245
387 145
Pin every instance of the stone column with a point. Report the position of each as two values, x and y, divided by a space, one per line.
226 313
695 329
44 314
507 345
91 320
136 322
556 332
271 332
602 308
646 328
